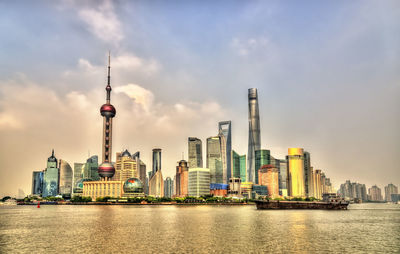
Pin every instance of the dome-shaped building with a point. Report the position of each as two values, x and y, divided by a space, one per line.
133 187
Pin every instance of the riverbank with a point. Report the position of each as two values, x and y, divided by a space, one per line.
137 204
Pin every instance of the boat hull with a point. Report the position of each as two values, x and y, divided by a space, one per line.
261 204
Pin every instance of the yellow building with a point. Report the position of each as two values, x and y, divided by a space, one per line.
296 181
246 188
317 184
103 188
156 185
125 167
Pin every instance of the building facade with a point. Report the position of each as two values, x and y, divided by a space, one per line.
156 185
268 175
51 177
214 159
199 182
156 160
308 178
254 142
283 191
296 182
126 167
195 152
262 158
37 182
168 187
66 178
389 190
225 132
375 193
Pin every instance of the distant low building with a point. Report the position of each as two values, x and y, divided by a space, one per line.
199 182
219 189
389 190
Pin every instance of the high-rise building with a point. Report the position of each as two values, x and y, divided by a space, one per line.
317 184
195 153
214 159
254 133
126 167
78 173
225 130
168 187
65 178
375 193
181 179
156 185
90 168
156 160
37 182
389 190
268 175
296 183
238 164
308 175
141 171
283 178
199 182
262 157
51 177
349 190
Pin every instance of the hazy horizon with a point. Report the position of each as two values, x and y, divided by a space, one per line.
327 75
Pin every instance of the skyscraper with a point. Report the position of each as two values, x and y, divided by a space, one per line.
195 153
106 169
65 178
214 159
181 179
308 175
268 175
238 164
375 193
262 157
51 177
283 178
78 169
389 190
254 133
168 187
199 182
125 167
37 182
156 160
225 129
90 168
296 183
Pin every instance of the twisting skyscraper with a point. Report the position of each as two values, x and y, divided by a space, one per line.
106 169
254 133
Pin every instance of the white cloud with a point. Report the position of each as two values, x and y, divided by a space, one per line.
139 94
244 47
103 22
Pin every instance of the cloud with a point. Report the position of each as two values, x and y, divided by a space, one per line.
244 47
103 22
138 94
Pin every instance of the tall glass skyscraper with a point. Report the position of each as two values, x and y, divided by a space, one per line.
51 177
262 157
238 166
168 187
308 178
214 159
65 178
195 153
225 129
37 182
156 160
254 133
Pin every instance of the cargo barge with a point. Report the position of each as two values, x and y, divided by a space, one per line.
330 202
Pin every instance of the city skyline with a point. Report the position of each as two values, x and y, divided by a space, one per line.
328 117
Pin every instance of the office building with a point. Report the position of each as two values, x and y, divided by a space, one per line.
66 178
254 143
78 173
90 168
296 183
195 152
181 179
225 132
214 159
156 160
389 190
156 185
308 178
51 177
168 187
126 167
268 175
238 164
37 182
199 182
262 157
283 178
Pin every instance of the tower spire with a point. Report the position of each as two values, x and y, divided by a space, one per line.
108 87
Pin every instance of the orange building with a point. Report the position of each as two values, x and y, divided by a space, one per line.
268 175
181 179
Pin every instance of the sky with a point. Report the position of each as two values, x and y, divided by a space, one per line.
327 74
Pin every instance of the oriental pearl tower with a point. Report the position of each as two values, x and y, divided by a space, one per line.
106 169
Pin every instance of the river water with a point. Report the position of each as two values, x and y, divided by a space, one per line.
364 228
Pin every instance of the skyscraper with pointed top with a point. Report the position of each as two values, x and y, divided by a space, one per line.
106 169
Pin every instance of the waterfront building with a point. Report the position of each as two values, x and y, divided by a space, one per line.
156 160
133 188
238 164
156 185
317 184
296 183
375 193
126 167
78 175
168 187
308 178
353 191
37 182
181 179
214 159
259 191
90 168
98 189
225 132
395 198
195 152
268 176
141 170
389 190
254 142
65 178
246 188
262 157
234 187
283 178
51 177
199 182
219 189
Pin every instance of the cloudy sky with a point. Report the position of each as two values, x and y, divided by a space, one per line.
327 72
